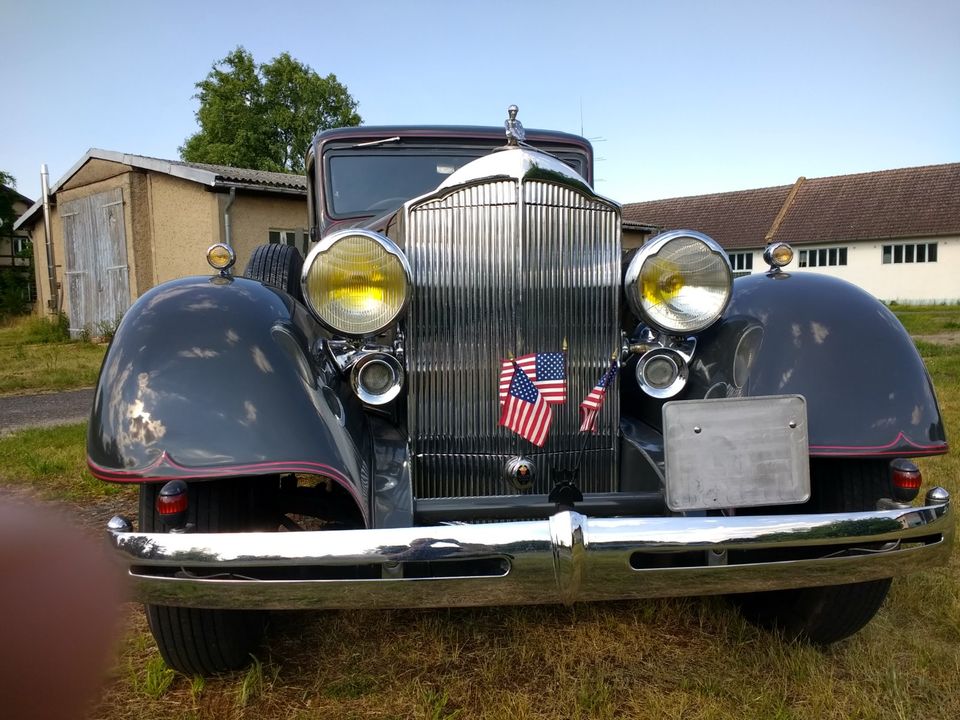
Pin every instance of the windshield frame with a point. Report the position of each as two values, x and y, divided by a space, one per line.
571 153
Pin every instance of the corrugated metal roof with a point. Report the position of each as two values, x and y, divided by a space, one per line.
218 176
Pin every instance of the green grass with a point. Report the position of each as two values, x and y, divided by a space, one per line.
928 319
30 329
52 461
37 356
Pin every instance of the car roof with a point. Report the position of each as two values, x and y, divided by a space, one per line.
441 131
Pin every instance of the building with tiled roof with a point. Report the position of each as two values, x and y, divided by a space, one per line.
896 233
121 224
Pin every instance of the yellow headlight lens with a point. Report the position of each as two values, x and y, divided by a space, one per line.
680 282
220 256
778 255
356 282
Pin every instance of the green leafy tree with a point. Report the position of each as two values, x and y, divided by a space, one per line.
264 116
14 280
7 215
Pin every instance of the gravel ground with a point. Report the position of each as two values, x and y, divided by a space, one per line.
22 411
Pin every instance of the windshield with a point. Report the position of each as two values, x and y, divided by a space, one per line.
375 181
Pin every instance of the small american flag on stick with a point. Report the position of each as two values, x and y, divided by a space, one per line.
590 407
525 410
547 372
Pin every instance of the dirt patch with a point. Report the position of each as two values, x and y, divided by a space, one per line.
947 338
92 516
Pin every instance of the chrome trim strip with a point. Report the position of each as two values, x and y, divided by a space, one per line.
566 558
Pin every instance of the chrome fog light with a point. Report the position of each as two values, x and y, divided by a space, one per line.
778 255
662 373
221 257
377 378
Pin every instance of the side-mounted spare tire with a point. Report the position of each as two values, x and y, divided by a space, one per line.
277 265
824 615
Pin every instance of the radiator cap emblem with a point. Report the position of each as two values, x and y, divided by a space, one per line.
515 132
520 472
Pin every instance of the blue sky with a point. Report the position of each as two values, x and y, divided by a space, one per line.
681 97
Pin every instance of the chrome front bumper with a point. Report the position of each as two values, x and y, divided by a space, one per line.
567 558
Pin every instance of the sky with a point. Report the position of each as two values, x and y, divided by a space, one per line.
679 98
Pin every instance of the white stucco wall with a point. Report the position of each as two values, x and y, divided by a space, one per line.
926 282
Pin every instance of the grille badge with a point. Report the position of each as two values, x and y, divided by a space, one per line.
520 472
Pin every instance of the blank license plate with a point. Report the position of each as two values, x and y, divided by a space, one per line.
736 452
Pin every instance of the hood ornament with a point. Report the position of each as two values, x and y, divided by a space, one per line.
515 132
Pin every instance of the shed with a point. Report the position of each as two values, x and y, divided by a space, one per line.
121 224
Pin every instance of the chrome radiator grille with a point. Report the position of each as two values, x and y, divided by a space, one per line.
508 267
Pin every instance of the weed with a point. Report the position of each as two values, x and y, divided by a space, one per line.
434 703
594 698
197 685
255 682
106 329
157 677
352 687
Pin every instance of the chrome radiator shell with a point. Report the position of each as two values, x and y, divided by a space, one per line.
508 265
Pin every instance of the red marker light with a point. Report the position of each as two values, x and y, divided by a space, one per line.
172 503
906 479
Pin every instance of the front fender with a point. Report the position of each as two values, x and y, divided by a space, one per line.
214 377
868 392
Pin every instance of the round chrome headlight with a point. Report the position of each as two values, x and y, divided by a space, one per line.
356 282
679 282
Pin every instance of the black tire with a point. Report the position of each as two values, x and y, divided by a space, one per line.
206 642
277 265
824 615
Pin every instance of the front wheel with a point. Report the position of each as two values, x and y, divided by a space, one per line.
205 642
824 615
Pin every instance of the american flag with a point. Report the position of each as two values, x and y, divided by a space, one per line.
547 371
525 411
590 407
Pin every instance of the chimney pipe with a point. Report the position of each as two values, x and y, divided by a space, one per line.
54 301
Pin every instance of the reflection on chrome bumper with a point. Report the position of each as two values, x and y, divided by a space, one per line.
566 558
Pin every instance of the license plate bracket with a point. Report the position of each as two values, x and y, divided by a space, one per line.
736 452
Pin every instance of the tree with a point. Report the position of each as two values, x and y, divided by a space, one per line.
7 216
264 117
15 278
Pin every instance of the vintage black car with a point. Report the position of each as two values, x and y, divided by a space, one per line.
467 395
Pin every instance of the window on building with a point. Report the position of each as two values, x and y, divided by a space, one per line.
823 257
908 253
741 262
295 238
287 237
